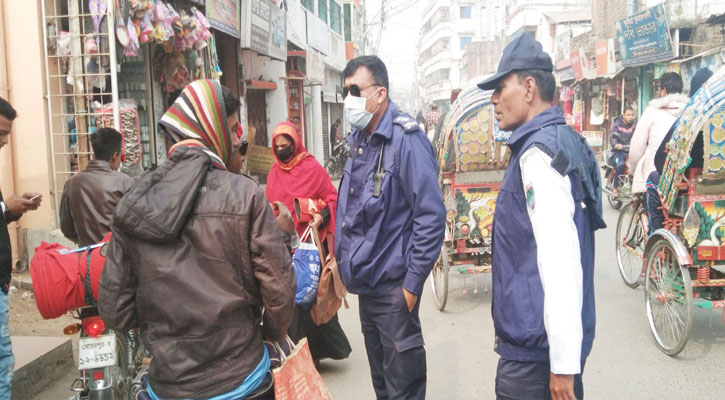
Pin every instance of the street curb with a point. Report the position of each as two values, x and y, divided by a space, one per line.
22 284
38 374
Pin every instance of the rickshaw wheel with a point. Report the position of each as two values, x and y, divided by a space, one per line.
439 281
630 242
668 297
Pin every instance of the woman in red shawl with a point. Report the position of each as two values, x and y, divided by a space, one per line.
296 174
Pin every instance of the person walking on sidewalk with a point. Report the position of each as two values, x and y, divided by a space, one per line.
12 209
90 197
389 228
543 238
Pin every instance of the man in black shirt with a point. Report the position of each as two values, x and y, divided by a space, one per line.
12 209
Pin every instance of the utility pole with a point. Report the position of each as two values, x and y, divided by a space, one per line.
365 28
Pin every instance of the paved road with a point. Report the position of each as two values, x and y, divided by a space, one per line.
624 364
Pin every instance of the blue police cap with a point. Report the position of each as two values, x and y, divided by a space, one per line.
522 53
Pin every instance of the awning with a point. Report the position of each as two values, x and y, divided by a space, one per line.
260 85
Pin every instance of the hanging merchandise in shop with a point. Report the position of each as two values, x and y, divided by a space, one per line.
644 37
118 64
264 28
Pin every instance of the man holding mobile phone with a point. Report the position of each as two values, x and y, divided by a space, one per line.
12 209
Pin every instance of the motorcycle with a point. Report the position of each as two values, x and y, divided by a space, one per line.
107 360
335 166
625 181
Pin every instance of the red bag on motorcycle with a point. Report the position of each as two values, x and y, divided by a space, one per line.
59 277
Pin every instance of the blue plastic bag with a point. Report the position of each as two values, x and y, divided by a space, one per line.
306 261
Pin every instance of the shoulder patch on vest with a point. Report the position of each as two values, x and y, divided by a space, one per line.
408 123
530 198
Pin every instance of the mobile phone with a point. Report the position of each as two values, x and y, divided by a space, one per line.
37 196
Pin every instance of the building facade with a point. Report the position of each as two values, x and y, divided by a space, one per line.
449 26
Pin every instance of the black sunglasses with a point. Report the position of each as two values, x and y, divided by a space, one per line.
354 90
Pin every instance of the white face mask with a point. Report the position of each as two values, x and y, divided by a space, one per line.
357 115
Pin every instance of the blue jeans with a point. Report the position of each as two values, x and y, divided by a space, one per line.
7 360
654 205
619 157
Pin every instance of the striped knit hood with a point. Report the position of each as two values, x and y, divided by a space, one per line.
198 119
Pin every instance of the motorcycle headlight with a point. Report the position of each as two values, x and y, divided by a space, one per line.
691 225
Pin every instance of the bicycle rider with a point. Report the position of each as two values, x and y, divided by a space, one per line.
622 130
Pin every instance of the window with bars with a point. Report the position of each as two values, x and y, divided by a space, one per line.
322 9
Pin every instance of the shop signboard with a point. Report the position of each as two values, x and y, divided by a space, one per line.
644 37
259 159
296 24
223 15
278 34
594 138
581 65
318 35
606 63
315 66
262 30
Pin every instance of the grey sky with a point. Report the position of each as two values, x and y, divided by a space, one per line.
397 47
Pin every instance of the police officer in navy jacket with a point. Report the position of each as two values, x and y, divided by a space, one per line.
543 237
390 227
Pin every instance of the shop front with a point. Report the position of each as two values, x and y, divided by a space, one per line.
121 64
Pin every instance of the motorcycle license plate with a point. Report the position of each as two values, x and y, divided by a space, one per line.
97 352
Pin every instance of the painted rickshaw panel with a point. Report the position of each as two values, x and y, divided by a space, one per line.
705 112
472 156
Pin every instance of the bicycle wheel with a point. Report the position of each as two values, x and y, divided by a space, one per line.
439 280
614 202
668 296
630 242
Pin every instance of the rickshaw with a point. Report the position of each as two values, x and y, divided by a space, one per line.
473 155
682 264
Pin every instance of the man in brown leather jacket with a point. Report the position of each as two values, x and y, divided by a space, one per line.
89 197
197 260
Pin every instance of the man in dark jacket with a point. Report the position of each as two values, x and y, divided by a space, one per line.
197 261
390 227
12 209
89 197
619 138
543 237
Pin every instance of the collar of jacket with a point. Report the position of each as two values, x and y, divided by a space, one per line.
666 102
385 126
99 165
550 116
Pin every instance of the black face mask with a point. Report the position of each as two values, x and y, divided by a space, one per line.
285 153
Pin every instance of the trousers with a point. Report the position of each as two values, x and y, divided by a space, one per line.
654 205
394 344
517 380
619 158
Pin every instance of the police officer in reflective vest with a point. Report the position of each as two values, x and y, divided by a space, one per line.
543 237
390 227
